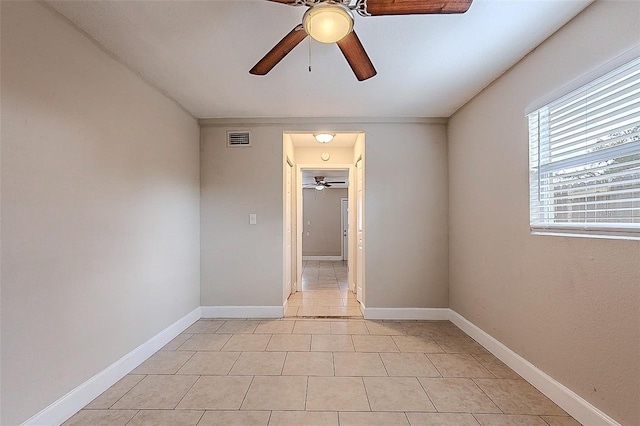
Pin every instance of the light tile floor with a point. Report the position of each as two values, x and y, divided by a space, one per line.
325 292
322 372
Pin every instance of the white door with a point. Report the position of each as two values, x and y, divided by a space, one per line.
287 237
345 228
359 231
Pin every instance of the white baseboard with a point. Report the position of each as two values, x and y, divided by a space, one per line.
564 397
242 311
406 313
65 407
321 257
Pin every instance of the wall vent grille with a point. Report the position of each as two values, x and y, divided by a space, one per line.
238 138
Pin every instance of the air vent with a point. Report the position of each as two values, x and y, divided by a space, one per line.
237 138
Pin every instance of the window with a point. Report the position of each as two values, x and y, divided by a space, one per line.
584 159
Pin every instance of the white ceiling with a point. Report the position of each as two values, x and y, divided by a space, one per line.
200 52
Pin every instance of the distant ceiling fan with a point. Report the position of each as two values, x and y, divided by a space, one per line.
331 21
321 183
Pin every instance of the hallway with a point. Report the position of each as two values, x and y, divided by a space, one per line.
325 292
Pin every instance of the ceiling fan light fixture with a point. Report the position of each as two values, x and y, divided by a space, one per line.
319 187
324 137
328 22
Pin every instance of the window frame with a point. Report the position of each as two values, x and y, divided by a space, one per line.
542 226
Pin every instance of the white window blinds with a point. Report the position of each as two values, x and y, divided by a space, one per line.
584 159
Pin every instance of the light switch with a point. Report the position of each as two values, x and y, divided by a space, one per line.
252 219
307 234
309 223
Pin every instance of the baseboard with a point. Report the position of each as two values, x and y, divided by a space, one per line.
242 311
564 397
72 402
406 313
321 257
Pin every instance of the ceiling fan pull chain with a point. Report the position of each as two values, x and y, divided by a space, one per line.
309 54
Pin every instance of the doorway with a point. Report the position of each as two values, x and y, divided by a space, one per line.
324 277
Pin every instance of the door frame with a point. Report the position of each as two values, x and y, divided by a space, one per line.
299 209
344 229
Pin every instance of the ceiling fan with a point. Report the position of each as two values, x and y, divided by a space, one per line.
320 184
331 21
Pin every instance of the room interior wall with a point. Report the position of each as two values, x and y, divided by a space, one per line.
406 195
322 215
570 306
100 210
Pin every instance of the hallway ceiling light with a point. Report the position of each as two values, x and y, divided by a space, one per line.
324 137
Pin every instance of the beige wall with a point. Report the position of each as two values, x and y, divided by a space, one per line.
406 204
324 210
100 216
571 306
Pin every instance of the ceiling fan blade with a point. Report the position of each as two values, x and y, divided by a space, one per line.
356 56
279 51
415 7
336 182
287 2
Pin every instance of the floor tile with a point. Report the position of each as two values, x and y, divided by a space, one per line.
308 364
275 327
289 342
312 327
205 342
385 328
518 397
156 392
276 393
210 363
441 419
204 326
409 364
560 421
509 420
458 345
358 364
166 418
163 362
247 342
329 302
422 344
238 326
497 367
100 418
216 393
331 343
291 311
115 392
373 419
314 311
259 364
344 311
374 344
459 365
396 394
336 394
322 371
349 327
177 342
303 418
235 418
458 395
